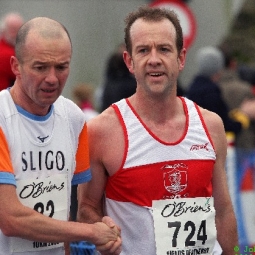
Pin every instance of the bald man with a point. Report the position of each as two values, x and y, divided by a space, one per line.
43 150
9 26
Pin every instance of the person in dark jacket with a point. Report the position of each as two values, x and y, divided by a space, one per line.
119 82
205 91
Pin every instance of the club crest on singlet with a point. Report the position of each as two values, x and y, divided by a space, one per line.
175 177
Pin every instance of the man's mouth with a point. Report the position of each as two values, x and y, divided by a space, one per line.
155 74
48 90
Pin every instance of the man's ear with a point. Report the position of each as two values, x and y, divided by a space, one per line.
128 61
182 59
15 65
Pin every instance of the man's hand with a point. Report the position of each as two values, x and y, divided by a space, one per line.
111 247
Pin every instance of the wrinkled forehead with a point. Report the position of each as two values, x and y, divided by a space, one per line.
46 49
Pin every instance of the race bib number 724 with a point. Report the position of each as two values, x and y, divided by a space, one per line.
184 226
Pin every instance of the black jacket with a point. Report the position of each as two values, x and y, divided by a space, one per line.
207 94
119 82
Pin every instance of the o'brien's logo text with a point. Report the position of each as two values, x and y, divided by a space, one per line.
196 147
35 190
177 209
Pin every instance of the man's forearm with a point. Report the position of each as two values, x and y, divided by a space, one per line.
89 214
227 234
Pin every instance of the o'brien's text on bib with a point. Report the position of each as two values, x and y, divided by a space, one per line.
184 226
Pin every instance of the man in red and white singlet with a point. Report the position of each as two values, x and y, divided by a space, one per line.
158 160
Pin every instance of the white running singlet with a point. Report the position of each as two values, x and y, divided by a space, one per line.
42 156
156 170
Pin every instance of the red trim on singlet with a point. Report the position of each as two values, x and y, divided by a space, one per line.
204 125
156 137
116 109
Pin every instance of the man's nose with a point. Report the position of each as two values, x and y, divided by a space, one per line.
51 76
154 57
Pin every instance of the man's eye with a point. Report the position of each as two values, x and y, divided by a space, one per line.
40 68
142 50
61 68
164 49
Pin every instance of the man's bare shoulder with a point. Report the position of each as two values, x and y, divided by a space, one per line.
105 122
213 122
216 131
106 141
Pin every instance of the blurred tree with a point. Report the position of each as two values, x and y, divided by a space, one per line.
240 39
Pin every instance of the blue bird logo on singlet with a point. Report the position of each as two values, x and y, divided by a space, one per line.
42 139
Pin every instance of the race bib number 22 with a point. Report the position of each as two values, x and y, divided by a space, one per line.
47 196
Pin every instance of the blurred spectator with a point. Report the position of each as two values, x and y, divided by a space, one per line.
83 97
235 91
247 73
9 27
119 82
249 108
205 91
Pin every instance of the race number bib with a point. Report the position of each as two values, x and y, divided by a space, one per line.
47 196
184 226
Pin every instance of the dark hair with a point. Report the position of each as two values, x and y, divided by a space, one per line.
153 14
